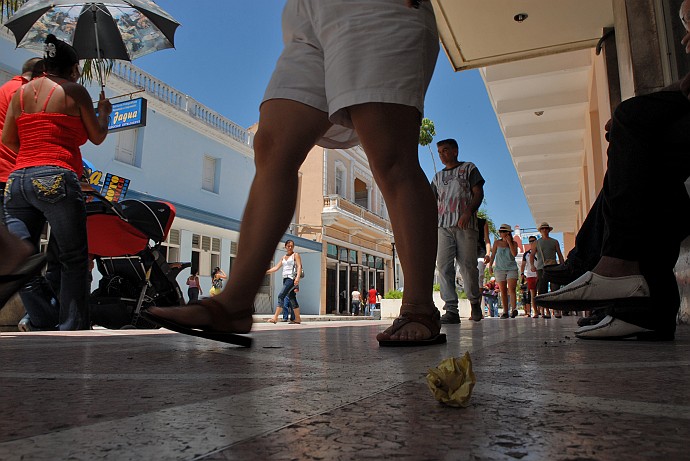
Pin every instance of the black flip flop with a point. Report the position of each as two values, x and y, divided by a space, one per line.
11 283
225 337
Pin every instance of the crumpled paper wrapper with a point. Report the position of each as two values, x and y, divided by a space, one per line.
452 381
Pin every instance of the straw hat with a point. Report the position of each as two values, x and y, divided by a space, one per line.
505 228
545 225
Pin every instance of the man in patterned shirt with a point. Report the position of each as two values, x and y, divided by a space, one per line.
459 191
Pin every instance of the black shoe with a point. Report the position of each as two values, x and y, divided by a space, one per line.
476 312
450 318
596 317
563 274
505 316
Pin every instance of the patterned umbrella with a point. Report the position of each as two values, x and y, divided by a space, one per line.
111 29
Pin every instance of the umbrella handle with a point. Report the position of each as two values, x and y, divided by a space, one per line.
99 62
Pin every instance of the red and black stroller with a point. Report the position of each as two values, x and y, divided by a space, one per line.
125 242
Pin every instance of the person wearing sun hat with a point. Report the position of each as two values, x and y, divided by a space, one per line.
503 255
547 250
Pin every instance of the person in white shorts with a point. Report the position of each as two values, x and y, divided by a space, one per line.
352 71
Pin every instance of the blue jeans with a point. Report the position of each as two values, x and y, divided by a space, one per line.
287 299
455 244
50 193
492 302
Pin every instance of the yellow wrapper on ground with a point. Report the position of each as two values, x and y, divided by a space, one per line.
452 381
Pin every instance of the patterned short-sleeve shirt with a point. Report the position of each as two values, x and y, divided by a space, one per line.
453 190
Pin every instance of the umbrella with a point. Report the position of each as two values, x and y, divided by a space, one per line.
110 29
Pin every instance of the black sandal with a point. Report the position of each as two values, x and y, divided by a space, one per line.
433 323
206 331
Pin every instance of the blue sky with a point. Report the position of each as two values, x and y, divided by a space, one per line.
225 54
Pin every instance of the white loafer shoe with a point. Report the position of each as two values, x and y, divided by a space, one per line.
592 289
610 328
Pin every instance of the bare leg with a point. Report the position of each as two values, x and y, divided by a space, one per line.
390 136
279 310
512 284
503 287
287 131
532 294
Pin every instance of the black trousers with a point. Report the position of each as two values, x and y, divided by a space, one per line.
643 210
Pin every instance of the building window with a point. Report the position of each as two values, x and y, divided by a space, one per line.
361 194
342 254
210 182
340 180
126 149
205 253
382 207
171 246
332 251
233 255
353 256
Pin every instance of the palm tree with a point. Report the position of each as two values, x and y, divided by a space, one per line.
101 67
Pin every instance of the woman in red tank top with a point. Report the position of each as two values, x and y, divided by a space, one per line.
47 121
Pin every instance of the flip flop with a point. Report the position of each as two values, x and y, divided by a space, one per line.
204 331
11 283
433 323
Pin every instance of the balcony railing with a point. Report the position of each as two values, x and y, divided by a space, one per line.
169 95
358 212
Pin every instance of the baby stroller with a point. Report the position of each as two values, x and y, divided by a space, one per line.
135 275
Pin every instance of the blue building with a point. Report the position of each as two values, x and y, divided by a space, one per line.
193 157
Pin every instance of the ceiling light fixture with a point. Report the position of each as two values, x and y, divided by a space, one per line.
520 17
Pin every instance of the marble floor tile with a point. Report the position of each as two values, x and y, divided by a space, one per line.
325 390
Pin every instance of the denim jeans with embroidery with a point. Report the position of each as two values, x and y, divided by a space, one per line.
50 193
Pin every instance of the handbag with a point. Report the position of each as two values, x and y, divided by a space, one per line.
294 272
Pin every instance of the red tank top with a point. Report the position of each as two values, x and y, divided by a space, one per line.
49 138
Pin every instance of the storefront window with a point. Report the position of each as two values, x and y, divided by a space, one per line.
332 251
379 263
342 254
371 261
353 256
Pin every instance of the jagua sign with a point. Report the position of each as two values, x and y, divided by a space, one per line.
128 114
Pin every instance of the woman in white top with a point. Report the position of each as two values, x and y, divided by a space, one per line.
356 301
292 268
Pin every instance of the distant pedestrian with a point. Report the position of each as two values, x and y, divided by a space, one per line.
356 301
459 191
529 272
503 254
548 249
291 264
217 277
373 298
194 285
490 292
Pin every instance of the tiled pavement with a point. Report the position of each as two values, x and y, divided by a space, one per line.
325 390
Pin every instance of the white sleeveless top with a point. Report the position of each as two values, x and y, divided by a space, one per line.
289 266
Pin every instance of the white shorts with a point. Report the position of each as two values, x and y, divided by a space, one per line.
339 53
